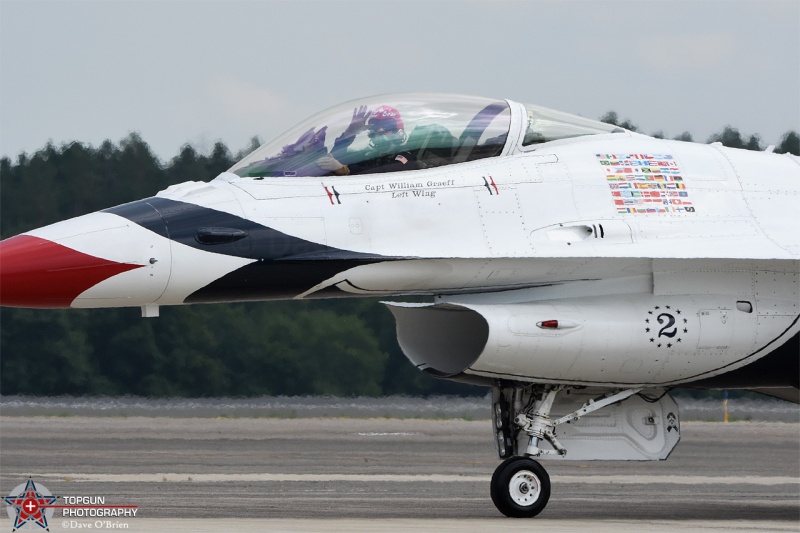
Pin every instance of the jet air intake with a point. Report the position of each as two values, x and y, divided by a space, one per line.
441 340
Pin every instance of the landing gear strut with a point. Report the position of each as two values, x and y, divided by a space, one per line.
520 485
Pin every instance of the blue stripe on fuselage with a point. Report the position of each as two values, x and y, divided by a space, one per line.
284 266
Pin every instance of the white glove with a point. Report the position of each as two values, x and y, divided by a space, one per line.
329 163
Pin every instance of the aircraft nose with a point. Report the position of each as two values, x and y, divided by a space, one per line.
37 272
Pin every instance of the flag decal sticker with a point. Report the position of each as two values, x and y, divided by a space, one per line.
645 183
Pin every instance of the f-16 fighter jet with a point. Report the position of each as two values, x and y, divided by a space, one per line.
577 269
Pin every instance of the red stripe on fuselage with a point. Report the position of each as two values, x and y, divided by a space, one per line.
35 272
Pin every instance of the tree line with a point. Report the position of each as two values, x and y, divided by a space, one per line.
339 347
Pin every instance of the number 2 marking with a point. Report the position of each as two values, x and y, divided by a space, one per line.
670 324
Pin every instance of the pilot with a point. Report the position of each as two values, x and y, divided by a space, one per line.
385 151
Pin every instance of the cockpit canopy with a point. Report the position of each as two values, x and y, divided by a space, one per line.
436 129
431 129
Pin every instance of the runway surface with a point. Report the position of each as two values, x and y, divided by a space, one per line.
257 474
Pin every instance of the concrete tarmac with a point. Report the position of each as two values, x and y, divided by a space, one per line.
258 474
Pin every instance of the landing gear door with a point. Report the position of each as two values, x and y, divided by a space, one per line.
632 430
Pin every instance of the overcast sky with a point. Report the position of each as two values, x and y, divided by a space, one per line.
181 71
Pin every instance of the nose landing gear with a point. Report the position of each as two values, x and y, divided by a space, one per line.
520 485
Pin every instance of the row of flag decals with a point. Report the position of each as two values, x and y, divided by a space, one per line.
645 183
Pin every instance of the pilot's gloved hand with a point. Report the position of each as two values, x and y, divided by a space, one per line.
331 164
359 121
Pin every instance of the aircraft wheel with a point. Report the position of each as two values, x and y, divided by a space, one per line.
520 487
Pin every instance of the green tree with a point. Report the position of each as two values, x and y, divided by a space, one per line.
45 353
612 118
790 143
255 142
731 138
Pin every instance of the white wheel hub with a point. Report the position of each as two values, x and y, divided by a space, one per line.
524 488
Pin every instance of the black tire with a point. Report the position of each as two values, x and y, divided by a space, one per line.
520 487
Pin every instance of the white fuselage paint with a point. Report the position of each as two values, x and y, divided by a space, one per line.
570 211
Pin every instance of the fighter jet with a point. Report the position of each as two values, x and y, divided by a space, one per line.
578 269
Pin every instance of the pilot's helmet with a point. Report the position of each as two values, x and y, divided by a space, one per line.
385 119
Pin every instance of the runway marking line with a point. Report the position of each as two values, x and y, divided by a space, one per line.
416 478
